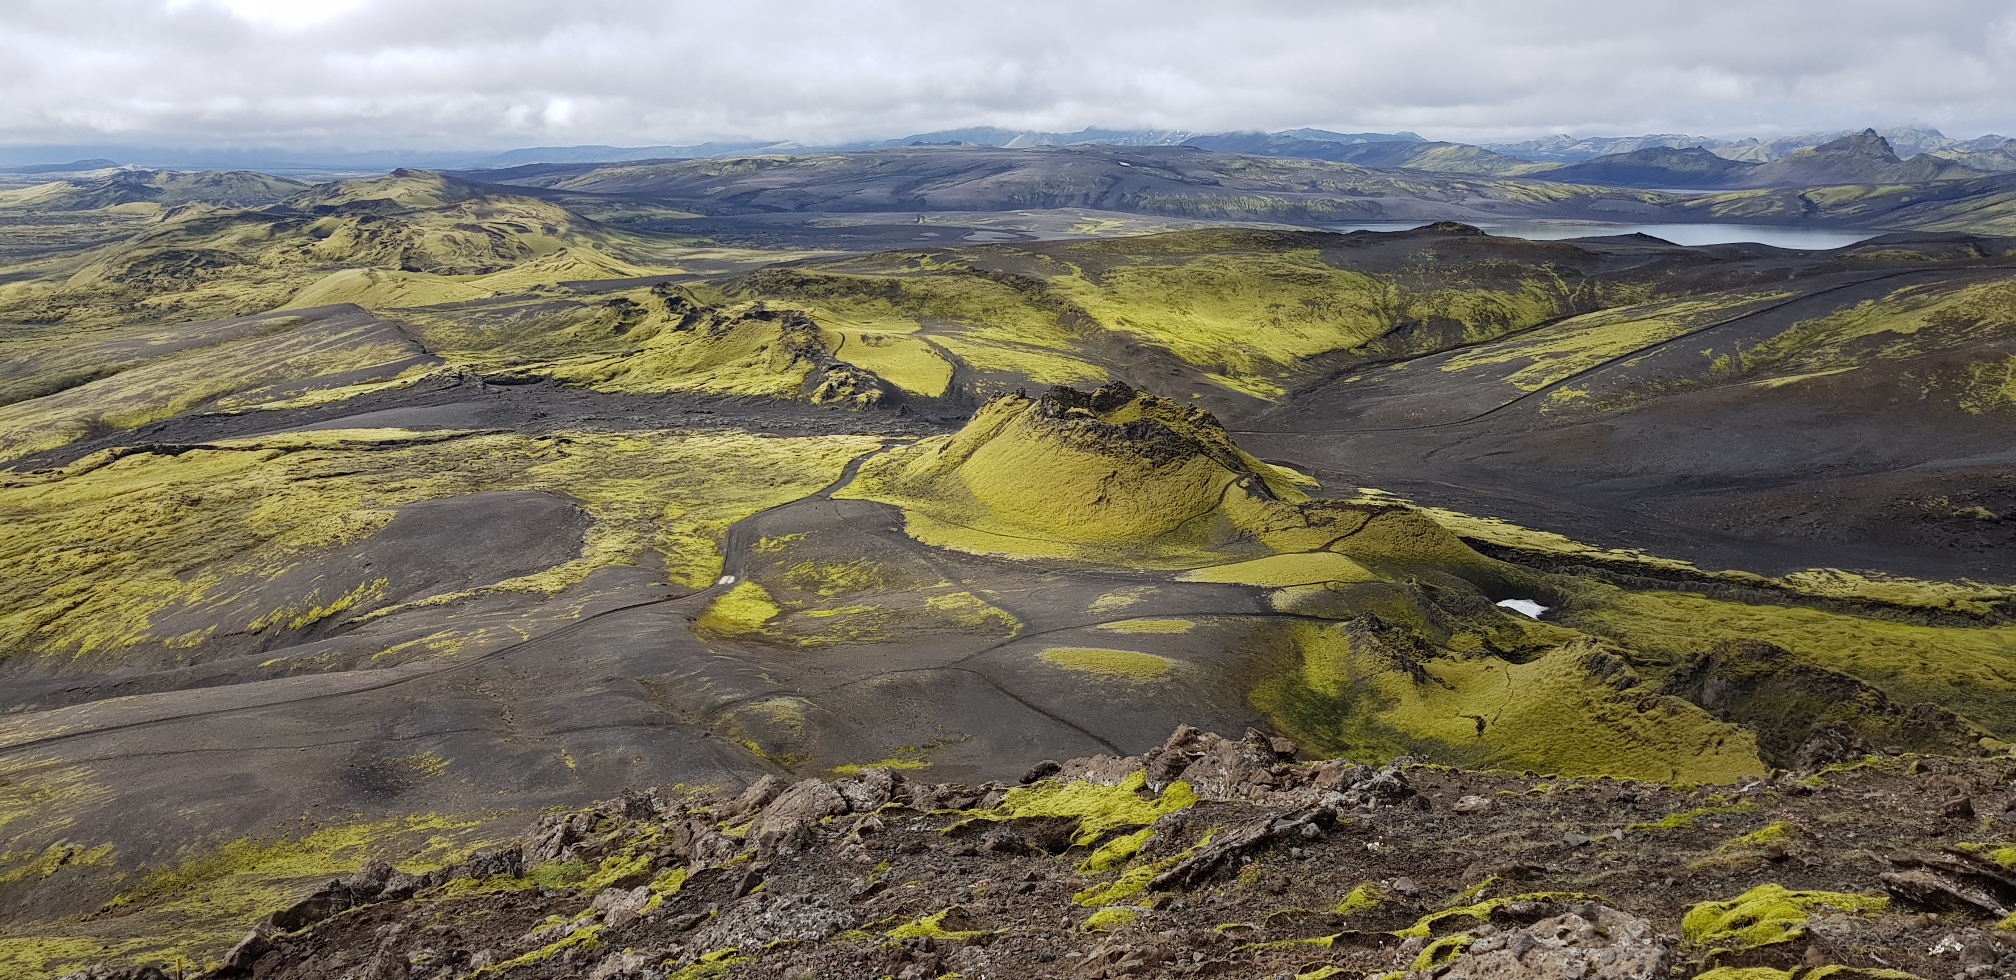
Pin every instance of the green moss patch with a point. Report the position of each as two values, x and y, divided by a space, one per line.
1968 670
933 926
197 908
906 362
1059 479
747 608
1576 710
1766 915
109 545
1147 626
1108 663
1098 809
1279 571
1363 898
1434 922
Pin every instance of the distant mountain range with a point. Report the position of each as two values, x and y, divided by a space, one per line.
1857 158
1401 150
1989 152
991 136
1664 160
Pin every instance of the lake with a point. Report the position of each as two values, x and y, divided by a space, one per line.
1678 234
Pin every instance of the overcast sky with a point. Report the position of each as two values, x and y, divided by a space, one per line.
479 74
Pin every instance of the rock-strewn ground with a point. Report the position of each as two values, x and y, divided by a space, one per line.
1208 857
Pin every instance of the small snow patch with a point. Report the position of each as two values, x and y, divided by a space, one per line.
1524 607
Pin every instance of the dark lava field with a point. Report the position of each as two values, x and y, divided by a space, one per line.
368 524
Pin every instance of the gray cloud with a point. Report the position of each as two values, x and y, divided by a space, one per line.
471 74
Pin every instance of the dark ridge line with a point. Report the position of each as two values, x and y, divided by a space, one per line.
1638 352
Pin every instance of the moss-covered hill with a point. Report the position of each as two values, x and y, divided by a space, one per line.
1417 657
434 237
149 191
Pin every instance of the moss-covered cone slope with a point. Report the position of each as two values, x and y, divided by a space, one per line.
1125 477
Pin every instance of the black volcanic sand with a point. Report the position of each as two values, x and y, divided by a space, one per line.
623 694
1768 479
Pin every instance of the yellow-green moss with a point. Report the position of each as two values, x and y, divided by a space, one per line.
106 546
586 938
1825 583
34 866
1120 599
1147 626
709 966
1320 973
1966 669
1569 711
1019 482
1364 898
1116 852
1428 924
933 927
2002 854
1822 973
904 763
199 907
1279 571
1111 917
831 579
1108 663
1136 878
906 609
1099 809
906 362
1313 942
283 357
1765 915
48 956
616 868
1255 314
1771 833
1442 951
1040 366
1562 350
745 609
1687 818
1913 319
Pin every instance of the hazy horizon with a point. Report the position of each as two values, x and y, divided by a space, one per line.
460 77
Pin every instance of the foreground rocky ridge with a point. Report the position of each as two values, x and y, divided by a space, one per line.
1206 857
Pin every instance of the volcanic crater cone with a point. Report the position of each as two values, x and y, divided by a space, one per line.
1126 477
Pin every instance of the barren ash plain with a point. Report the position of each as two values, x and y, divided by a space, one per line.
1085 561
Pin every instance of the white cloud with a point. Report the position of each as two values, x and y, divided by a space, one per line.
286 14
454 74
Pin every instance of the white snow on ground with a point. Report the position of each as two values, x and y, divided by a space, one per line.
1524 607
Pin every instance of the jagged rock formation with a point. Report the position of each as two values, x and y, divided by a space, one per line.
1861 158
1203 857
